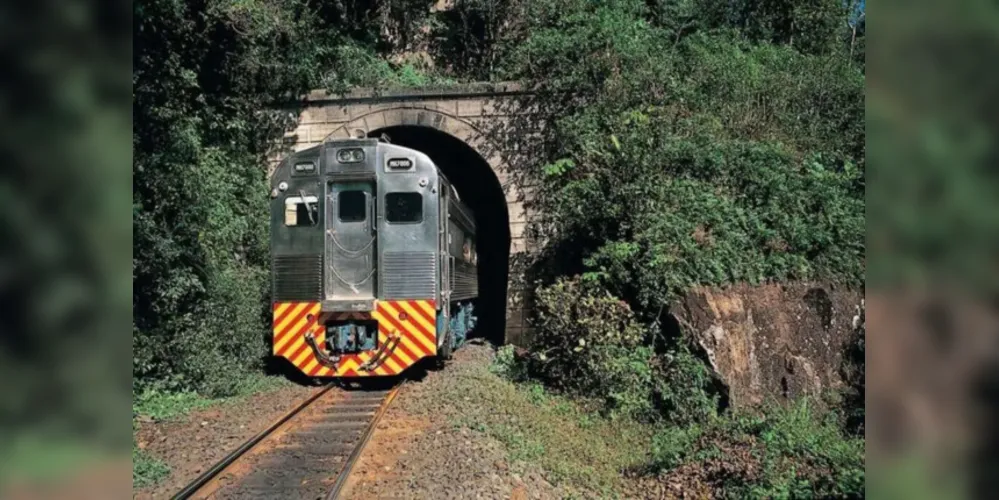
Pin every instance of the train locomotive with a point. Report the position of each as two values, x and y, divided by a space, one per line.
374 265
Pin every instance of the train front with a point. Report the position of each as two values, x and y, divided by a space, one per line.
354 243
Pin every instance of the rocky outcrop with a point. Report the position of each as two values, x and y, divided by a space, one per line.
776 342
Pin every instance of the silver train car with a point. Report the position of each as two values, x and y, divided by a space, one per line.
374 265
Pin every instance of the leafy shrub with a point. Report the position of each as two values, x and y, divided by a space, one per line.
588 342
684 388
507 365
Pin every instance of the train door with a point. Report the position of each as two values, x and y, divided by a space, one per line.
350 241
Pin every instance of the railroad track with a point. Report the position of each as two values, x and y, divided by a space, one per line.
307 453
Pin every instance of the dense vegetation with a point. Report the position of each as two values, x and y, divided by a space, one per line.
723 142
207 77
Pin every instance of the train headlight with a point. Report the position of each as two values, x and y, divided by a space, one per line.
353 155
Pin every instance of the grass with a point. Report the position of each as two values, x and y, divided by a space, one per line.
782 452
147 470
153 405
163 405
575 449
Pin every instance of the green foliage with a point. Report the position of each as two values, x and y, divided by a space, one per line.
785 452
472 38
507 365
672 445
684 388
724 142
202 76
801 455
165 405
359 66
587 342
147 470
717 155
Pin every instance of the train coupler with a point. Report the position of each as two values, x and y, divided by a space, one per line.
324 358
383 353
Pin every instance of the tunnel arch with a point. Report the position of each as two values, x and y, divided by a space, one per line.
477 170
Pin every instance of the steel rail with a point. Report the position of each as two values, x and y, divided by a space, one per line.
355 454
212 473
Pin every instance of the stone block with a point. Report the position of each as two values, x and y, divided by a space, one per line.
519 299
375 121
336 113
500 106
516 192
311 115
319 131
518 245
519 336
446 106
469 107
515 318
516 211
517 229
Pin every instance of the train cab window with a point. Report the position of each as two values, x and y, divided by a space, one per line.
351 206
301 211
404 207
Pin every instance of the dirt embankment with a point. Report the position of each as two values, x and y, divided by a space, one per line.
776 342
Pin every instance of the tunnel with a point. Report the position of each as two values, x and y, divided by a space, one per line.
480 189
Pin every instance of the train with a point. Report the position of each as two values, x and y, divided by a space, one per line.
373 260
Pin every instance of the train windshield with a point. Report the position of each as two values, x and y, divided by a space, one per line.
301 211
353 206
403 207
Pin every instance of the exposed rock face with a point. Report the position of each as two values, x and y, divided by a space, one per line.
776 342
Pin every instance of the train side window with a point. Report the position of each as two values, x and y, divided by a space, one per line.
351 206
301 211
404 207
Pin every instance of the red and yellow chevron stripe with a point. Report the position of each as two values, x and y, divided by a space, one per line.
413 320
